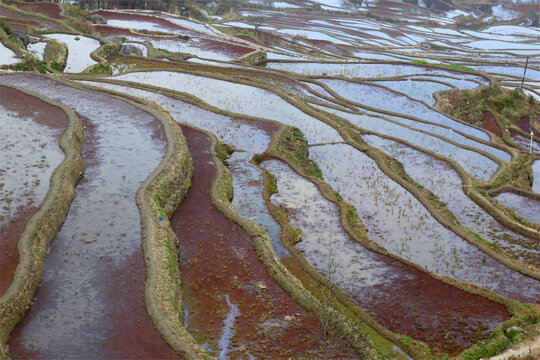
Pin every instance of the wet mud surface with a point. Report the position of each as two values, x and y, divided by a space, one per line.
401 298
488 123
226 287
47 9
30 130
90 303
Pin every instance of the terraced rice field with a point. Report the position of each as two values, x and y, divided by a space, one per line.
290 180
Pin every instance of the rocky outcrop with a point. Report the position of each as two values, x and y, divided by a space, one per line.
114 39
21 35
129 49
97 19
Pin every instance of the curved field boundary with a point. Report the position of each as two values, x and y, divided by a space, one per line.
157 198
500 162
220 193
344 128
521 314
43 226
353 230
39 16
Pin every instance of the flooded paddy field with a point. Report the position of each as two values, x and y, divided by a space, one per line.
441 179
31 131
390 196
233 307
89 302
403 226
475 164
427 309
248 137
523 205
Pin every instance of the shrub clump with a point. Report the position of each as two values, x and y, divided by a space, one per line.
508 105
5 27
31 64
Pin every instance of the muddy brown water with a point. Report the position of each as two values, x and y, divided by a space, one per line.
90 303
232 306
30 153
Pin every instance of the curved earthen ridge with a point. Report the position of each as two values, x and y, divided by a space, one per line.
43 226
291 99
157 198
343 127
266 253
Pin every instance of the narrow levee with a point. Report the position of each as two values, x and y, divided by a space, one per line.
442 180
30 130
403 299
232 306
90 303
521 204
402 225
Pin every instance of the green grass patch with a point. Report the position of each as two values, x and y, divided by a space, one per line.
31 64
444 66
5 27
509 106
293 146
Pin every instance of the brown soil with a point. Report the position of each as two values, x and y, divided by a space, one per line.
218 260
47 9
45 23
488 123
523 124
105 30
19 21
43 113
10 235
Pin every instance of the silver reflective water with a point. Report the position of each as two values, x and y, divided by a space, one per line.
103 224
401 224
238 98
30 153
442 180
